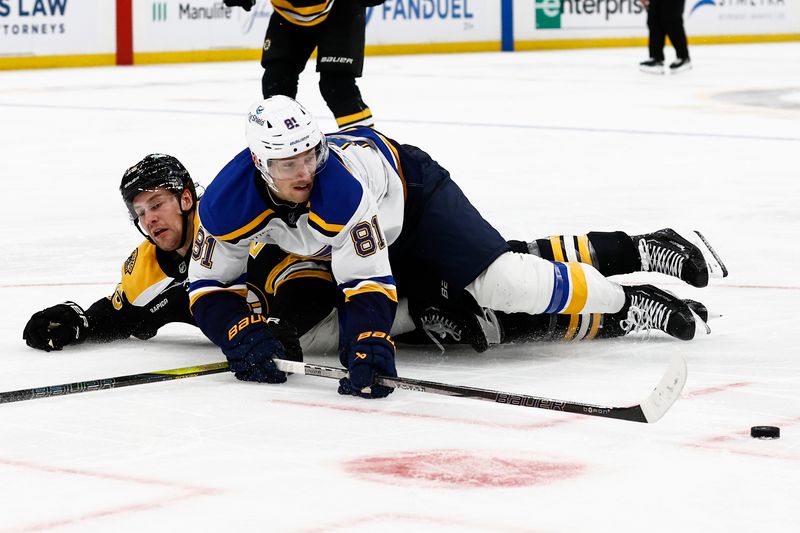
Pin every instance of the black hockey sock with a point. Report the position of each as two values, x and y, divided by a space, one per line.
616 253
344 99
522 327
609 252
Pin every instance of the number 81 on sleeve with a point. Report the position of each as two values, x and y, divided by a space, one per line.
367 237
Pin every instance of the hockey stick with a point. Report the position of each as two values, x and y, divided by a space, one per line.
648 411
112 383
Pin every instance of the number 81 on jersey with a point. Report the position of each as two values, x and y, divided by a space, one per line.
367 237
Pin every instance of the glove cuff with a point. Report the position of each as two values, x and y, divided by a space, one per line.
83 322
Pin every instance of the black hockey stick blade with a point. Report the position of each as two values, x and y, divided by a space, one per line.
648 411
112 383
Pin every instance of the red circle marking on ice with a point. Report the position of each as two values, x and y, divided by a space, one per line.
461 469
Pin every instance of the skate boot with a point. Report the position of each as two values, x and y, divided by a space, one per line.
652 66
680 65
668 252
443 326
612 324
647 307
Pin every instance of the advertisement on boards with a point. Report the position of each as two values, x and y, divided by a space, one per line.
57 27
602 19
174 25
725 17
433 21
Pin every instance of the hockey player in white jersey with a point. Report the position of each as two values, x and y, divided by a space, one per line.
386 214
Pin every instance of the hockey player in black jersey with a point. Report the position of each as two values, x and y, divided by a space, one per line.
162 199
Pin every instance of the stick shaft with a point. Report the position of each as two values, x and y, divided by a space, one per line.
111 383
650 410
675 376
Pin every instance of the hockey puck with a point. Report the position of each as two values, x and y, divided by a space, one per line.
765 432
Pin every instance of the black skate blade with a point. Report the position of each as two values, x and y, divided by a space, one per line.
716 268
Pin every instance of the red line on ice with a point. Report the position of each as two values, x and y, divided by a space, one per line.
353 409
189 491
716 389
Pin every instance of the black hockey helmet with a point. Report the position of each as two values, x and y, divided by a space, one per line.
156 171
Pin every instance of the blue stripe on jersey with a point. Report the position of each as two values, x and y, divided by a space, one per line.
334 198
369 133
203 283
560 288
232 200
383 280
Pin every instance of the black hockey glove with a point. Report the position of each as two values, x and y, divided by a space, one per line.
247 5
370 3
56 327
287 336
251 348
372 353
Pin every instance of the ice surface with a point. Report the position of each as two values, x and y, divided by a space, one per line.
544 143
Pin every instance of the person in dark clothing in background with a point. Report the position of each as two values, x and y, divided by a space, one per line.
665 18
336 29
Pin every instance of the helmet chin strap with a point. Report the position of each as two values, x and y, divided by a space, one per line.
185 215
272 192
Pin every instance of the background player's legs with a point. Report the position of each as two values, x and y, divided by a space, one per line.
673 25
344 99
286 50
340 60
655 25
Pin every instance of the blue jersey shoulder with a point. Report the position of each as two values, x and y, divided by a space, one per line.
232 206
383 143
334 199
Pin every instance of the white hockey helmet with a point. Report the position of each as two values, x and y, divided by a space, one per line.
278 128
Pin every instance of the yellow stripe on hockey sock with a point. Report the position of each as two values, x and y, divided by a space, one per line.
354 117
574 321
579 290
597 319
583 247
555 244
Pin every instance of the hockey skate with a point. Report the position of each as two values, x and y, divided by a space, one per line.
647 308
680 65
700 310
689 258
479 330
652 66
